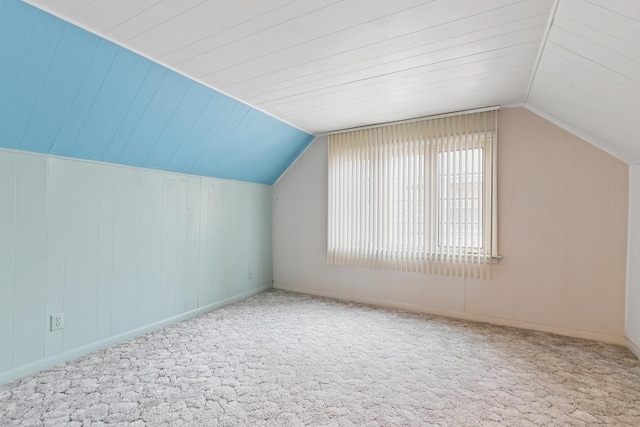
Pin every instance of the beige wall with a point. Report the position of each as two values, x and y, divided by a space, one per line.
562 232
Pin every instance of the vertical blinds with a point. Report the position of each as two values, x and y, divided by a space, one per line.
417 196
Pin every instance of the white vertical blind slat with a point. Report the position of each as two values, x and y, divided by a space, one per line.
417 196
432 254
474 223
465 227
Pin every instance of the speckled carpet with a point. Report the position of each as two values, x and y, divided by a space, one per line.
283 359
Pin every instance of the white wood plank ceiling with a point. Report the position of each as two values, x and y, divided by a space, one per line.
323 65
588 77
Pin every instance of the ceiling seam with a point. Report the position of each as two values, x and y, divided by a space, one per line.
387 63
333 33
396 37
235 40
416 68
611 10
110 39
417 88
135 15
131 18
223 30
313 139
421 46
543 44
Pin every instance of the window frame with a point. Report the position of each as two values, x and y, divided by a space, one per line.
385 206
487 144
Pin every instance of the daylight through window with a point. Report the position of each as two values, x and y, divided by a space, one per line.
415 196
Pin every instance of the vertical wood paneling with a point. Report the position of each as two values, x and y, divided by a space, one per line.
30 259
288 226
116 248
576 275
56 249
81 261
169 246
7 230
505 275
105 249
219 247
553 220
562 230
526 239
181 245
632 297
213 252
192 261
204 264
124 294
150 248
600 215
622 197
237 210
265 260
253 203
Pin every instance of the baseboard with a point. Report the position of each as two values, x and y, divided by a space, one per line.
633 348
81 351
575 333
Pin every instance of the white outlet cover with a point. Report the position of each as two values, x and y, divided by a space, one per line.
57 322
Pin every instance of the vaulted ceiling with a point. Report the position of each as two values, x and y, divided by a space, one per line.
588 76
67 92
324 65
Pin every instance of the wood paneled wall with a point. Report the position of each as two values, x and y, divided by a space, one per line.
117 248
562 229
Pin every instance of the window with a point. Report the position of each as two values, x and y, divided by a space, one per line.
417 196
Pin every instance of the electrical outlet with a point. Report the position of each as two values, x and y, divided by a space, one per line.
57 321
250 274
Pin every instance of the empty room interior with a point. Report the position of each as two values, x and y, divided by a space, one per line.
326 212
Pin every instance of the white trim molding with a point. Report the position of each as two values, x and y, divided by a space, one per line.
575 333
75 353
589 138
633 348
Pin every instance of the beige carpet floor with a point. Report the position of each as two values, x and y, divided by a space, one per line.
283 359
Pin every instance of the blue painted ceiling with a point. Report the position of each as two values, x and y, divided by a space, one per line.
68 92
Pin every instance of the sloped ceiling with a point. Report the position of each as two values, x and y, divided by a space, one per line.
330 64
67 92
324 65
588 76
